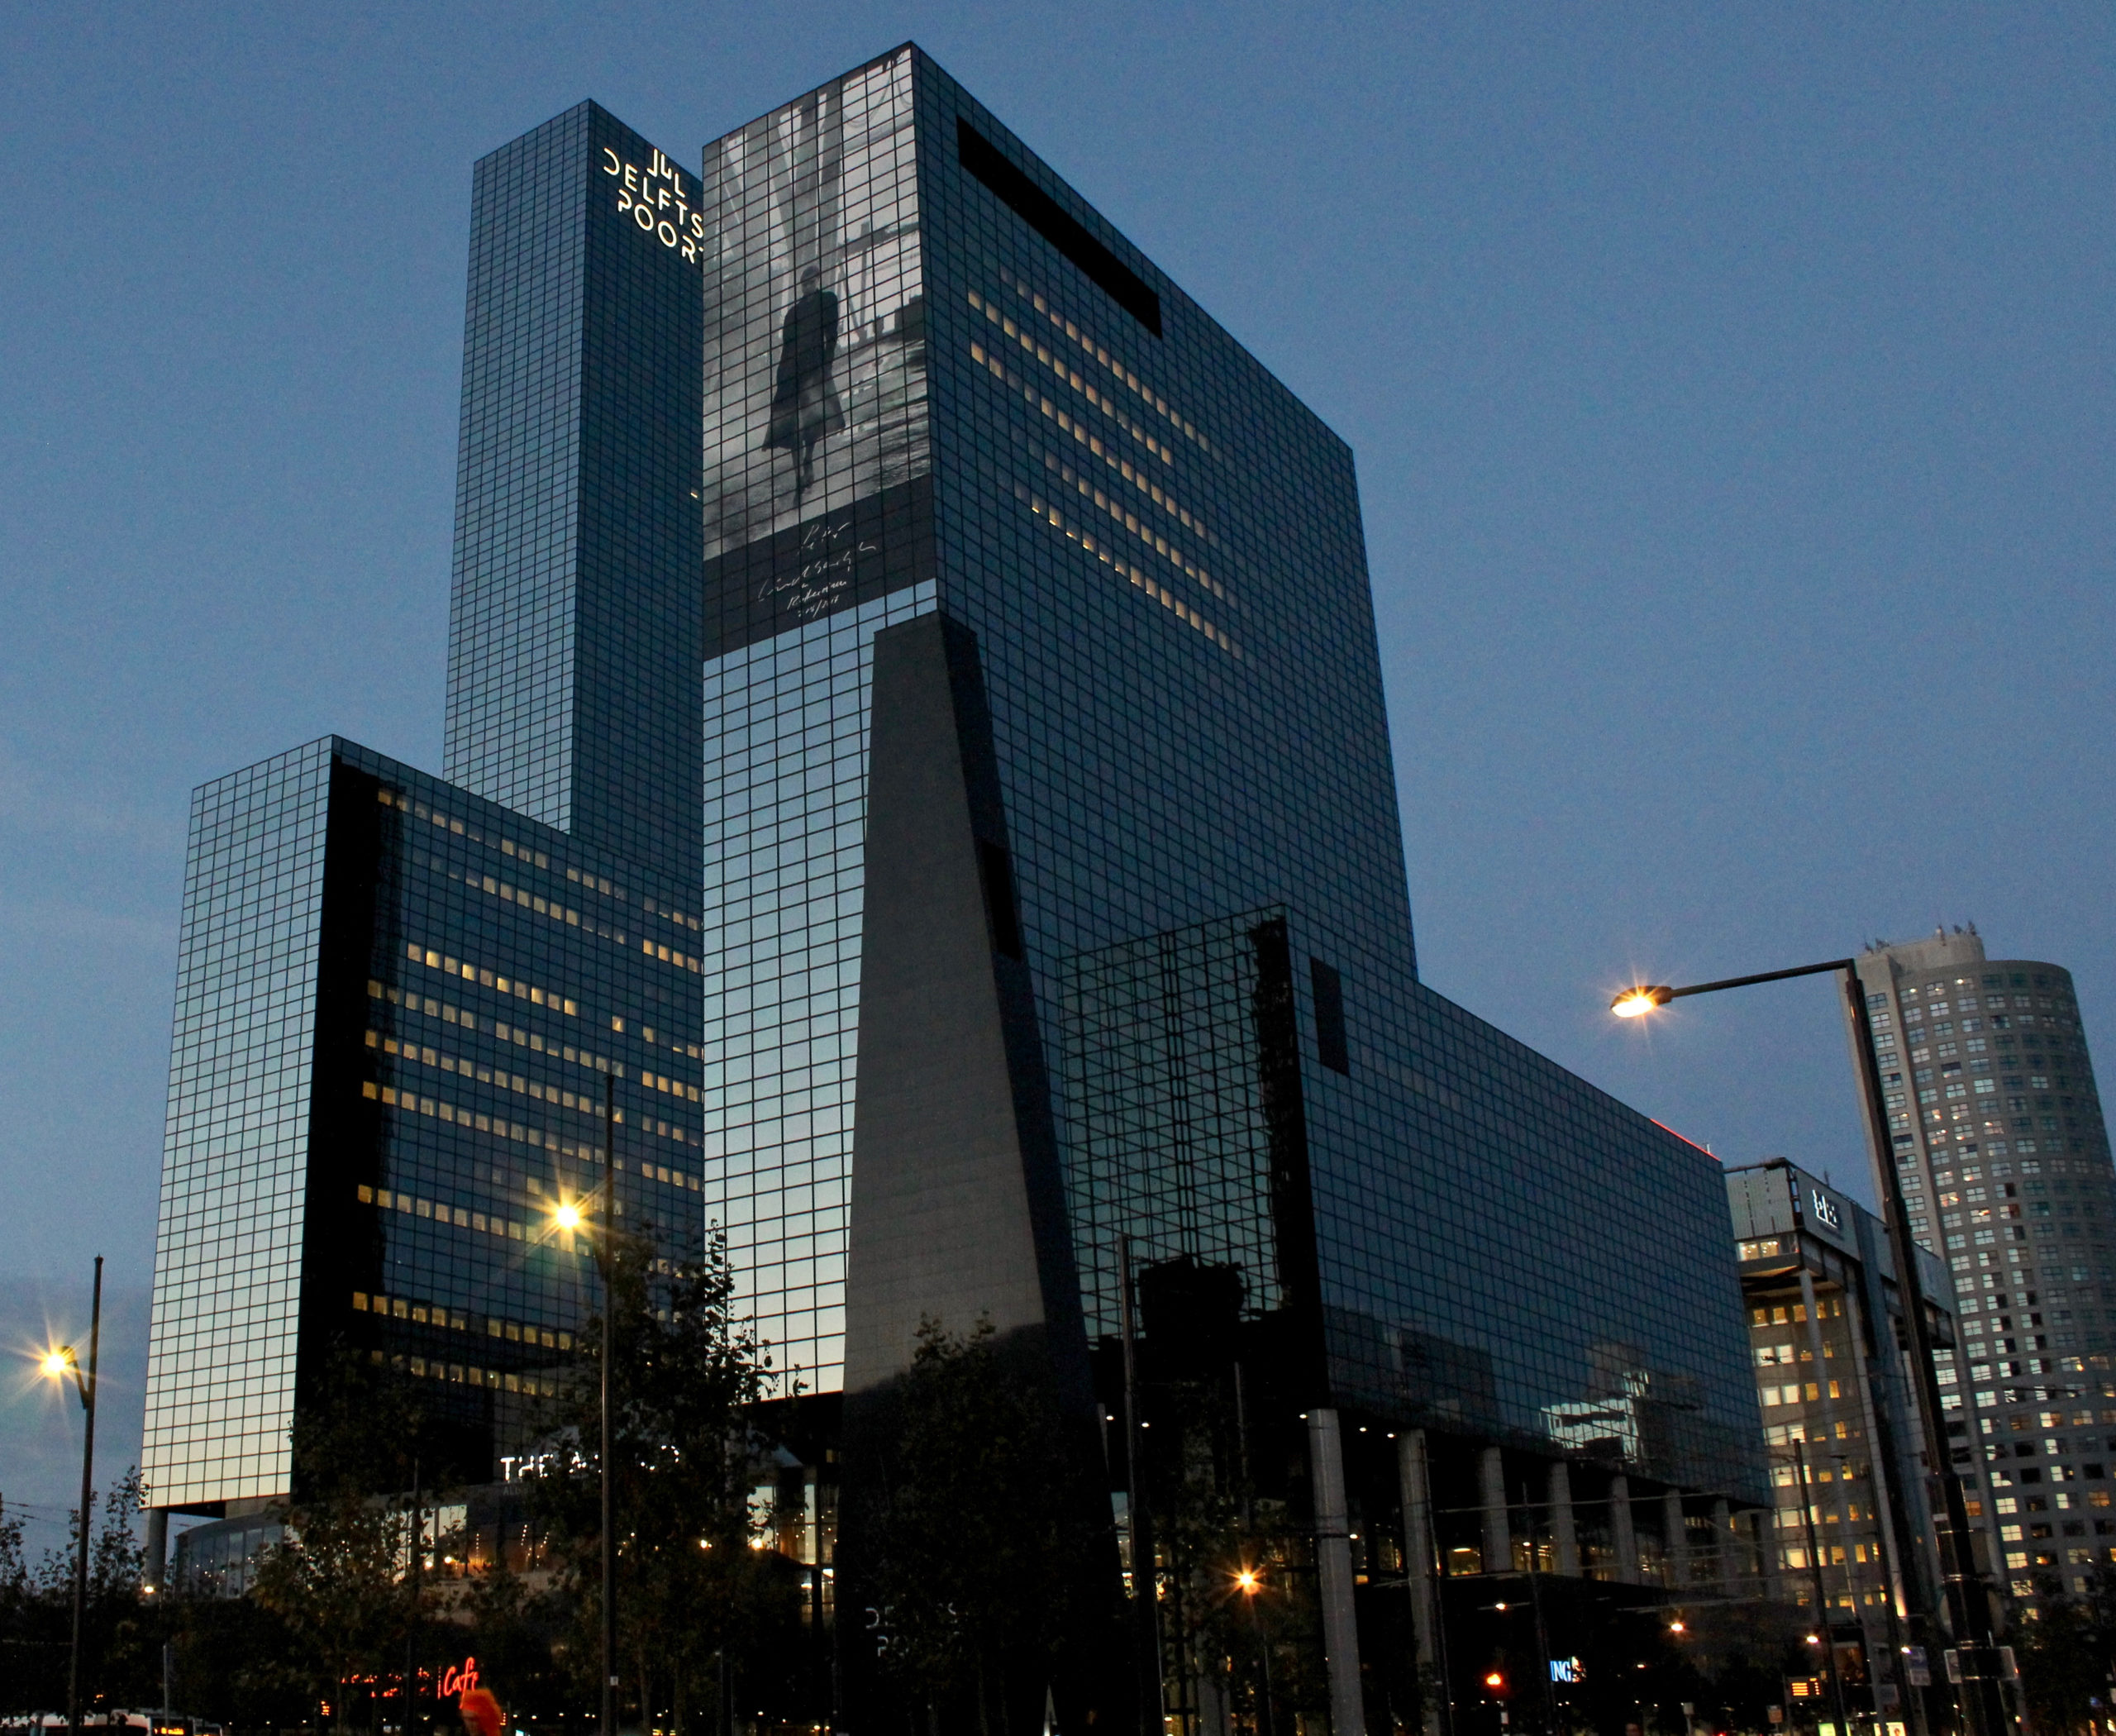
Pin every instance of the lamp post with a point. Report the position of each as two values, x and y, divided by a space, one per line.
603 1259
1969 1606
58 1364
573 1219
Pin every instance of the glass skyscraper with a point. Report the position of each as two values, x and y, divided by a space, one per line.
976 746
1054 889
398 997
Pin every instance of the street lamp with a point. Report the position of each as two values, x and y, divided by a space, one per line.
604 1254
571 1215
57 1364
1969 1607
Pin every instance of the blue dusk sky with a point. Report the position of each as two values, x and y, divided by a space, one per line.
1730 386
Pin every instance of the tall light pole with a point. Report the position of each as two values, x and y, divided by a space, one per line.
58 1364
1969 1604
571 1218
603 1256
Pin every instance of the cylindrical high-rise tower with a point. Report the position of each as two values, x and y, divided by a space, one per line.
1998 1142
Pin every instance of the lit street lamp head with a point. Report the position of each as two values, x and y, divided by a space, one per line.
567 1217
57 1363
1636 1002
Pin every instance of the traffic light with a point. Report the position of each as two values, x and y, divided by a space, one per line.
1496 1683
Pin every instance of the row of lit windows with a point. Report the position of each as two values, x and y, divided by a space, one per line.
1793 1313
1138 478
536 1089
1085 488
450 1013
443 1110
423 1313
1086 388
1992 1148
506 846
1830 1555
432 1368
1115 462
1809 1429
396 1200
449 965
1182 610
1791 1393
1941 1029
532 1088
1093 442
2055 1500
557 912
1114 363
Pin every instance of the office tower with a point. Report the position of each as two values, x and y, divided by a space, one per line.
1853 1538
1050 918
1055 898
399 998
2003 1155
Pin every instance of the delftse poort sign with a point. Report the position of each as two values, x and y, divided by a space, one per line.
654 199
833 561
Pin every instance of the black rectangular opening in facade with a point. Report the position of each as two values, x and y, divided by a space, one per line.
997 871
1057 226
1331 1048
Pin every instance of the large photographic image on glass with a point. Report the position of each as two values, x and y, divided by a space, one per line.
816 429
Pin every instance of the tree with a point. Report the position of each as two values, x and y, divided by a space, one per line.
2066 1653
685 1370
975 1552
336 1581
36 1609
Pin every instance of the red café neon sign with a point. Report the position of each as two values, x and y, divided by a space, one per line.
456 1679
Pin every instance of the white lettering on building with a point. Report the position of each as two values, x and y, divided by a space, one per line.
653 198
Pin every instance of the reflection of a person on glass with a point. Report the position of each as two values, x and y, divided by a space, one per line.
804 406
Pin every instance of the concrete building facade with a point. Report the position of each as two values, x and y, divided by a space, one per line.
1999 1143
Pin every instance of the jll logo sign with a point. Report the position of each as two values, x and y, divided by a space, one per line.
1825 1213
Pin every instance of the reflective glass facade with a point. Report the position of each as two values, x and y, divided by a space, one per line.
786 728
234 1169
401 999
396 1008
572 634
1159 550
878 365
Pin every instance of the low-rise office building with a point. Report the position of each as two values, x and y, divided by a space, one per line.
1853 1533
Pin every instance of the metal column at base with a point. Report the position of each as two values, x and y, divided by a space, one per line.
155 1577
1723 1535
1623 1533
1333 1559
1565 1536
1412 1473
1491 1492
1675 1536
